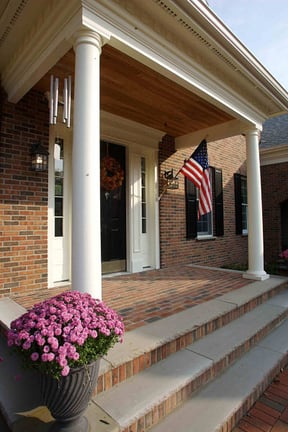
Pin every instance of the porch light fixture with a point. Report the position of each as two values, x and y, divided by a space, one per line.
39 157
172 182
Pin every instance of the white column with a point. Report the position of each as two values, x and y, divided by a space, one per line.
255 225
86 230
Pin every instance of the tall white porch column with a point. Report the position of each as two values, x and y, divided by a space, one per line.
86 230
255 225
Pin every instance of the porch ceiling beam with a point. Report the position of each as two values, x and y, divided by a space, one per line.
224 130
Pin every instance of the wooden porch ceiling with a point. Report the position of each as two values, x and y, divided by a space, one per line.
134 91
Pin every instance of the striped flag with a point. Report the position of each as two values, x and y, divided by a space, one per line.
196 169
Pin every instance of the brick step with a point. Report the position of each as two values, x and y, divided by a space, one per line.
147 398
220 405
147 345
142 350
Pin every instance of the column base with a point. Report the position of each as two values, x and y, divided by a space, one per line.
259 276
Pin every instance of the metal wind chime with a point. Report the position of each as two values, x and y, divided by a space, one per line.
55 101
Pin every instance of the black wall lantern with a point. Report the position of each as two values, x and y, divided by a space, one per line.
39 157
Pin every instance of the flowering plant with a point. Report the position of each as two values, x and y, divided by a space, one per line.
284 254
69 330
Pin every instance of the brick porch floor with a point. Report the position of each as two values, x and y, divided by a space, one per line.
148 296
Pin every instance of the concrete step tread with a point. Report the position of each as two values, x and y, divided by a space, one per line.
150 387
213 407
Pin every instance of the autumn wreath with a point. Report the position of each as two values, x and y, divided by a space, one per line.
112 175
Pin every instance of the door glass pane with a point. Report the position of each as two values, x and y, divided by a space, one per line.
143 195
58 187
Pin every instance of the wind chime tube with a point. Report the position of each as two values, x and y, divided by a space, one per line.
51 119
56 90
65 101
69 101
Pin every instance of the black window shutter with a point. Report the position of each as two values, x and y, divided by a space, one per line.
218 201
191 209
238 203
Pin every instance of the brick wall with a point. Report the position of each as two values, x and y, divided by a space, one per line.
23 197
274 192
227 154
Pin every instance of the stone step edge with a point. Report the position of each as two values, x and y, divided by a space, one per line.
230 416
147 417
138 353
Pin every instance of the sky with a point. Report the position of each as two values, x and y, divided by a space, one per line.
262 26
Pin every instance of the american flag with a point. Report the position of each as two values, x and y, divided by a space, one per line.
196 169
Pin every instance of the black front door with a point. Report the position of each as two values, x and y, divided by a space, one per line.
113 205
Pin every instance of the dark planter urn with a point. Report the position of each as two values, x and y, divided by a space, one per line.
68 397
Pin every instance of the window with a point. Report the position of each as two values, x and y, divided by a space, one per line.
59 188
241 204
211 223
143 195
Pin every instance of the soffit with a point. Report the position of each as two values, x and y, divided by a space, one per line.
194 33
132 90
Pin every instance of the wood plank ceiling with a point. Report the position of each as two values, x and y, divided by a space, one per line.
134 91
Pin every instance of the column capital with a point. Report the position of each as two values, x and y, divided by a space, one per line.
87 36
252 131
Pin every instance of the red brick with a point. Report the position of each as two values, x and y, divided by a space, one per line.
284 417
248 427
280 427
261 415
262 425
267 409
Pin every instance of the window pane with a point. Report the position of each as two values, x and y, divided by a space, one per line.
143 195
58 186
244 205
58 227
244 189
204 225
58 207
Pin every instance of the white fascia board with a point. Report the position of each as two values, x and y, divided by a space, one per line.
224 130
274 155
48 41
132 36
